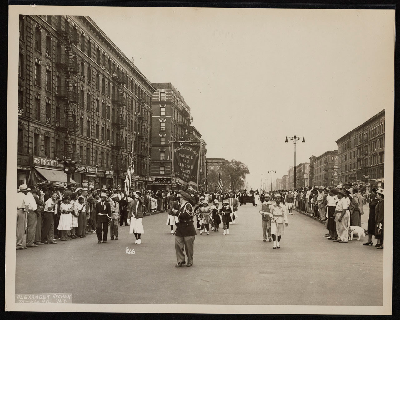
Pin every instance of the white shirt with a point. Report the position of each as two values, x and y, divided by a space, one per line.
21 200
331 201
30 202
50 205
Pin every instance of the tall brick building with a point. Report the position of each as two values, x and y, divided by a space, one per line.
361 152
324 169
82 103
171 123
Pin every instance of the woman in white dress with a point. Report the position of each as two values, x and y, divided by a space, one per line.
135 210
65 218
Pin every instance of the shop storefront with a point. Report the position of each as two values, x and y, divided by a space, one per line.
47 170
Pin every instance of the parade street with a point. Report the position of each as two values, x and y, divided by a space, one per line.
235 269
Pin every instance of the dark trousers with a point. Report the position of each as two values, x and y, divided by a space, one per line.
182 245
123 218
38 238
102 227
48 226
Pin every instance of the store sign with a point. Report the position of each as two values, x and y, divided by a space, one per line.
46 162
91 170
109 173
100 174
163 180
23 160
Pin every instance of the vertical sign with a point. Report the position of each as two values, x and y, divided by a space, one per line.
186 162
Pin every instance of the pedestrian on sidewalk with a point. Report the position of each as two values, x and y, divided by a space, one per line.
373 201
31 207
21 216
379 219
356 208
114 216
185 232
342 218
65 223
50 209
278 220
82 220
135 210
331 201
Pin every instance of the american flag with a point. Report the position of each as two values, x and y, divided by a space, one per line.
220 186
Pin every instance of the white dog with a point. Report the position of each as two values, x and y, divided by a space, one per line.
356 230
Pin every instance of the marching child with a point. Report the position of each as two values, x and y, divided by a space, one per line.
226 212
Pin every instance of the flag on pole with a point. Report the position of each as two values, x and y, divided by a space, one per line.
220 186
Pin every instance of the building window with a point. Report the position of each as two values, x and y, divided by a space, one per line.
102 133
82 99
108 134
37 74
98 56
97 81
162 126
89 75
163 96
90 48
88 128
48 80
88 155
48 113
96 156
97 131
36 140
88 102
20 100
108 112
82 42
103 110
81 125
103 85
38 40
102 158
162 140
37 109
162 155
47 146
48 45
97 105
162 170
21 65
82 69
58 114
162 111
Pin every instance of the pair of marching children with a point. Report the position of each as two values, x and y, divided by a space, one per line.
278 217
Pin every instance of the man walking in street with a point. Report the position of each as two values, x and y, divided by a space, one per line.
185 232
103 214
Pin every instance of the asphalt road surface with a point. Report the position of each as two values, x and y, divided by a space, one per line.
235 269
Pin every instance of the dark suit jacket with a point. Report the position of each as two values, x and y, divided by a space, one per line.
106 209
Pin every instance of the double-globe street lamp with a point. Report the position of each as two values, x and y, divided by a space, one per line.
295 139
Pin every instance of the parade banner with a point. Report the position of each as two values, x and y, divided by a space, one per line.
186 162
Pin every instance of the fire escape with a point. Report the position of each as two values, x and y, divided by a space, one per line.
119 122
142 141
67 95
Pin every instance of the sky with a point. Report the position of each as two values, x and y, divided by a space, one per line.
252 77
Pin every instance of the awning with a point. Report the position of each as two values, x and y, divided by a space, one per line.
53 175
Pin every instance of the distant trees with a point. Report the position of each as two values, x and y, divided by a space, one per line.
233 174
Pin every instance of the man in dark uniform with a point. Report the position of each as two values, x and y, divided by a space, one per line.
185 232
103 214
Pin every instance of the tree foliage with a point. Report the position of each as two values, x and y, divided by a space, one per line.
233 174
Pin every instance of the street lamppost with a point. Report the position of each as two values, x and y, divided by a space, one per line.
271 172
295 139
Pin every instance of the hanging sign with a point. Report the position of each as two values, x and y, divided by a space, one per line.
186 162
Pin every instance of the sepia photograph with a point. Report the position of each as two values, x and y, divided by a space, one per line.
200 160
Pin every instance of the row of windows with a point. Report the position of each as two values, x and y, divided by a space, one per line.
359 137
86 47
